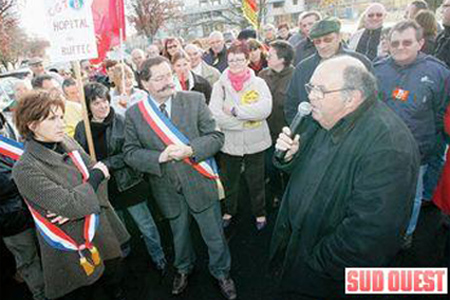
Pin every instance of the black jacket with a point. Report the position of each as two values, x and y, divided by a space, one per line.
348 201
201 85
124 176
217 61
303 50
14 216
442 46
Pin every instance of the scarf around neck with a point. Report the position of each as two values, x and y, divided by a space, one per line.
238 80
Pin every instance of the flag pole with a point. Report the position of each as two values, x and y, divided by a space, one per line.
122 60
87 125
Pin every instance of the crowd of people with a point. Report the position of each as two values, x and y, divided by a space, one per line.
185 123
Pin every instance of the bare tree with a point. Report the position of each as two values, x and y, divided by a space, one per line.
15 44
148 16
10 33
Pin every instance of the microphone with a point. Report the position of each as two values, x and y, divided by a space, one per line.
304 109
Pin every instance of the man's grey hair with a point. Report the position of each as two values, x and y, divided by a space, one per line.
216 34
193 46
359 79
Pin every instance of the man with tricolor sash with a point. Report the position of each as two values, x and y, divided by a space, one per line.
172 138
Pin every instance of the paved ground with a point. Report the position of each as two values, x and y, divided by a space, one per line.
249 251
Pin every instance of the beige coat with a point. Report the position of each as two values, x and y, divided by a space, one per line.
248 132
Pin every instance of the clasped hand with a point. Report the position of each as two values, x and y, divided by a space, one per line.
175 152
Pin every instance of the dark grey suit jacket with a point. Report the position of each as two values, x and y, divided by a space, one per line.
173 182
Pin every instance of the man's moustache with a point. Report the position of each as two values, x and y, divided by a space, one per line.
169 86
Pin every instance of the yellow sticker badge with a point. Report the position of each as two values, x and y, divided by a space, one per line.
250 97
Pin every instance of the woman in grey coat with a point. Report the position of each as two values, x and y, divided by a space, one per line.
80 234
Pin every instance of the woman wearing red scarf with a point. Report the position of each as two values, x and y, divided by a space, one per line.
257 56
241 103
186 79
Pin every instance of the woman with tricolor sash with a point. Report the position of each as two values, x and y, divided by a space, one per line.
79 233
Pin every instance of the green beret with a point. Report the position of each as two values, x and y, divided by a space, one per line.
324 27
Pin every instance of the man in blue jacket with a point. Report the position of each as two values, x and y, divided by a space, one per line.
416 87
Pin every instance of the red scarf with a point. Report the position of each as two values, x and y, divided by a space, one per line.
183 83
238 80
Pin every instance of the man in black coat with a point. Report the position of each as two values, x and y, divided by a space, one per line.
325 35
16 223
354 168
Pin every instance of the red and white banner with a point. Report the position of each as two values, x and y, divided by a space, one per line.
109 20
396 281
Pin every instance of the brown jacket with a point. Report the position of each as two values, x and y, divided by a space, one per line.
50 182
278 84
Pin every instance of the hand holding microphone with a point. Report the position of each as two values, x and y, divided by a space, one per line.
287 144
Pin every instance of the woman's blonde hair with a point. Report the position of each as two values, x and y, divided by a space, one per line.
118 72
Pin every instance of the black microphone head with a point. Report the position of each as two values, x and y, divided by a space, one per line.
304 108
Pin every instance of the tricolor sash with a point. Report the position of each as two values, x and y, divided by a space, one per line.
169 134
10 148
58 239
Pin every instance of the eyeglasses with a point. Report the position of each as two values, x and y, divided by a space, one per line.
172 46
378 15
405 43
444 6
319 91
326 40
236 61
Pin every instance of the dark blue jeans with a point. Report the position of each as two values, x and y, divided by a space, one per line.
144 220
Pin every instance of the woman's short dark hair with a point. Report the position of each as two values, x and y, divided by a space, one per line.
284 50
238 47
36 106
94 91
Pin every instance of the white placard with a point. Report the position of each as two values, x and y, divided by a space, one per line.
71 30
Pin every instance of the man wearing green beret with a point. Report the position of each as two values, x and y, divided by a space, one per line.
326 37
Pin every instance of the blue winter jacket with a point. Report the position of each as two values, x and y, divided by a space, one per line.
419 94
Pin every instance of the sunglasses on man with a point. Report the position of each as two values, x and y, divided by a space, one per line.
404 43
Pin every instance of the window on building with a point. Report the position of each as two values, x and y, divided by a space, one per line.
278 4
295 2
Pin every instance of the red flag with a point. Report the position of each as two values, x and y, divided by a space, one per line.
109 18
441 195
